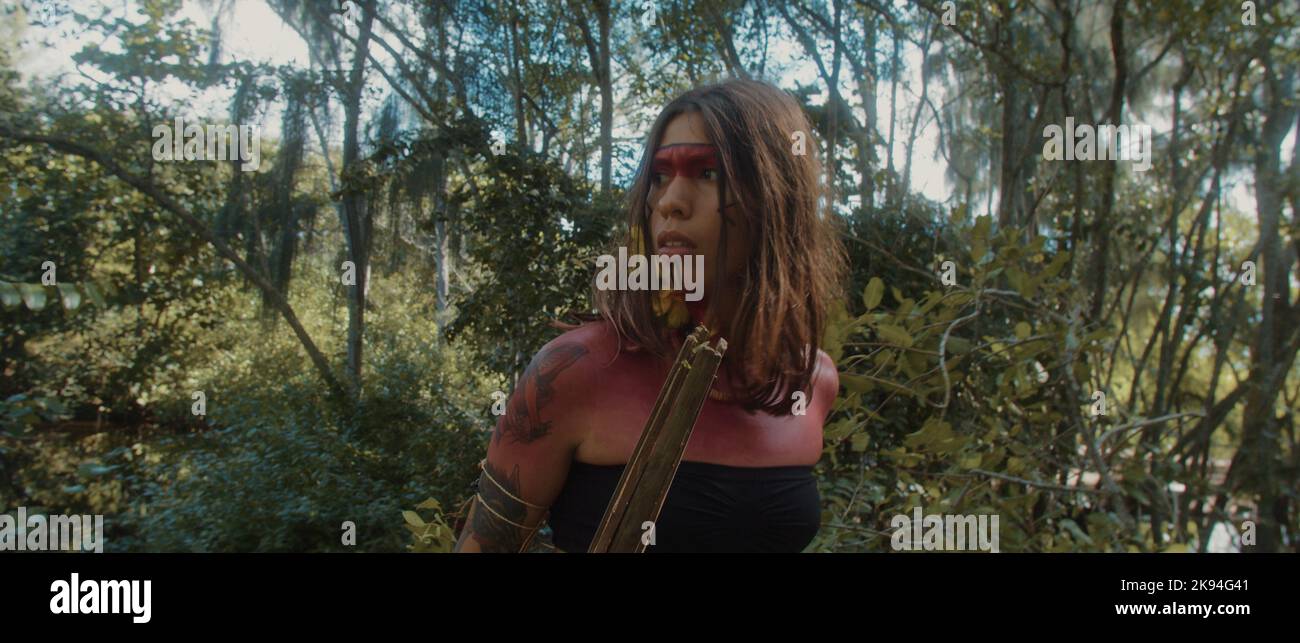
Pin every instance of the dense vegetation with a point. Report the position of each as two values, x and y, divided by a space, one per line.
1108 361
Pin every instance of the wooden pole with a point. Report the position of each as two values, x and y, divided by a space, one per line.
649 473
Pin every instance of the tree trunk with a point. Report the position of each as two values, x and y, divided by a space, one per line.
1115 112
606 101
916 116
517 80
356 218
198 227
867 157
1255 467
892 196
833 104
598 54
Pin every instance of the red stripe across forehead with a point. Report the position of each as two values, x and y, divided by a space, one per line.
687 159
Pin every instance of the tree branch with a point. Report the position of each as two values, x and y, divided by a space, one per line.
168 203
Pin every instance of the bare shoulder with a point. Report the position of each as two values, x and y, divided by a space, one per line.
827 370
577 357
826 378
570 363
586 347
597 339
554 382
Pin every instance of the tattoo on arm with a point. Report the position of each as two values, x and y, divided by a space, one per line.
523 421
491 517
493 534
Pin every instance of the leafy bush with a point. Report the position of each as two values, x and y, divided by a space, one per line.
973 398
288 468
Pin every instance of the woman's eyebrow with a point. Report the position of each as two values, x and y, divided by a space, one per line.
686 155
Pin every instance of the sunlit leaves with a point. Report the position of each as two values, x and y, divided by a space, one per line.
949 380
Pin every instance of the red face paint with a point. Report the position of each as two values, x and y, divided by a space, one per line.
686 159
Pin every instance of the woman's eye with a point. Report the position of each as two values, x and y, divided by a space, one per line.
709 174
657 178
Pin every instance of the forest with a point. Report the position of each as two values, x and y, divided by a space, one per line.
1073 230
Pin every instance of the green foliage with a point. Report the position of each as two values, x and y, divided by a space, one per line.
287 469
966 398
434 537
944 384
539 237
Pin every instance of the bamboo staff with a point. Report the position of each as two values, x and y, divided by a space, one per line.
649 473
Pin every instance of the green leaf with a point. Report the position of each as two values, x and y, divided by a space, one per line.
1023 283
957 300
897 388
875 290
1023 330
979 238
1097 335
837 430
838 327
894 335
856 383
1015 465
934 430
1057 263
957 345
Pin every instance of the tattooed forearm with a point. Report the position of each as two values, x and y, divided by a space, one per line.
523 421
491 526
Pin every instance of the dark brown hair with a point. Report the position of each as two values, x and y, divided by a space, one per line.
796 259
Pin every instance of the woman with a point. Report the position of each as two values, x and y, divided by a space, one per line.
728 172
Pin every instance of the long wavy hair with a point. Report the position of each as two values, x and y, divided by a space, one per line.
796 260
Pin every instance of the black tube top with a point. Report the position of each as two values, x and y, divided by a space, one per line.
709 508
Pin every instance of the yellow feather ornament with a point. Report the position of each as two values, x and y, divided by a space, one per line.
667 304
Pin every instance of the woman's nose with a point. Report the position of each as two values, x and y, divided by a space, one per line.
675 199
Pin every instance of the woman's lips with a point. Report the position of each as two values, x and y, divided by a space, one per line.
675 250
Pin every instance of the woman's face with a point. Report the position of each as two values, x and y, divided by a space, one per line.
684 201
